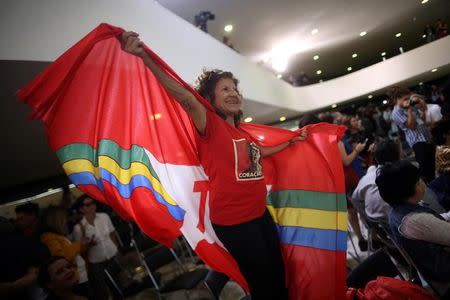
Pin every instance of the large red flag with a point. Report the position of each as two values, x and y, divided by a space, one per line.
123 140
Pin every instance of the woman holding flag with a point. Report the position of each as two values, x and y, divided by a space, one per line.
232 161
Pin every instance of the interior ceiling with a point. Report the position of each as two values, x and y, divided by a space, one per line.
260 24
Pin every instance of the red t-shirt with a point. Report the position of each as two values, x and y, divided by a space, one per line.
232 162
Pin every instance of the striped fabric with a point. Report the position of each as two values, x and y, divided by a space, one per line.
420 134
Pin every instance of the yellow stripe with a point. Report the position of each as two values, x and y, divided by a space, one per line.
123 175
310 218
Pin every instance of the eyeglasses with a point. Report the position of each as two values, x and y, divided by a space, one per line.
88 203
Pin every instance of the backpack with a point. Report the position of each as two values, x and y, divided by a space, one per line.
387 288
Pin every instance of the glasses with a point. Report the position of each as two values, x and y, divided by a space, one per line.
88 203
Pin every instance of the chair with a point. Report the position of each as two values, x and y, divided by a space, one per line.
437 288
214 282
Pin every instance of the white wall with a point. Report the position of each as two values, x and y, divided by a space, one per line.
42 30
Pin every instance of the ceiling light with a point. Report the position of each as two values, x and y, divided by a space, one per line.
383 53
316 57
363 33
424 1
334 106
314 31
434 70
283 51
354 55
424 36
279 76
370 96
318 72
421 83
228 28
349 69
385 102
282 119
248 119
398 35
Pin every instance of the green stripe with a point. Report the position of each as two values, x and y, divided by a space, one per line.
109 148
307 199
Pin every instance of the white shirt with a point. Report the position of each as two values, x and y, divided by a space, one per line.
366 195
433 113
99 232
426 227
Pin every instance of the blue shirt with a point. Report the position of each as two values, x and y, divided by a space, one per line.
413 136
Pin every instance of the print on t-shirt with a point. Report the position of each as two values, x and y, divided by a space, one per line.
247 158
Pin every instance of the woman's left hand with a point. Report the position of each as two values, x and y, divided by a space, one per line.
301 137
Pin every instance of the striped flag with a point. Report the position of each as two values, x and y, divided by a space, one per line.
123 140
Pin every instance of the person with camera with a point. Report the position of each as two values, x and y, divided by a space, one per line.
408 117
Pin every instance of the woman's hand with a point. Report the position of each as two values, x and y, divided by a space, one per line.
301 137
131 43
359 147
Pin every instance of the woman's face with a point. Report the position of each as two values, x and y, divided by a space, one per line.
227 98
354 123
62 275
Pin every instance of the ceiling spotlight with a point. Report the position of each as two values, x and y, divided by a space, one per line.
228 28
421 83
424 1
248 119
385 102
354 55
370 96
398 35
279 76
424 36
318 72
349 69
314 31
383 53
363 33
434 70
282 119
316 57
334 106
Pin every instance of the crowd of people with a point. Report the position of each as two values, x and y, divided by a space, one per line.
397 165
59 252
435 31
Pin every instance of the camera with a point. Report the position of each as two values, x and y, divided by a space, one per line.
202 18
414 100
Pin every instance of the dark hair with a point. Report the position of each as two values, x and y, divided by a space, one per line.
396 92
80 202
28 208
307 120
44 276
439 131
397 182
206 84
386 151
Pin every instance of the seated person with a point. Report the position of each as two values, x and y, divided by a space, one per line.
424 234
27 220
19 261
59 277
366 195
54 237
441 185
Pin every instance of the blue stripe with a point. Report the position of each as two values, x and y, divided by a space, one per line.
125 190
334 240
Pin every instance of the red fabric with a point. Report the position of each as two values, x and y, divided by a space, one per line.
96 92
386 288
225 155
